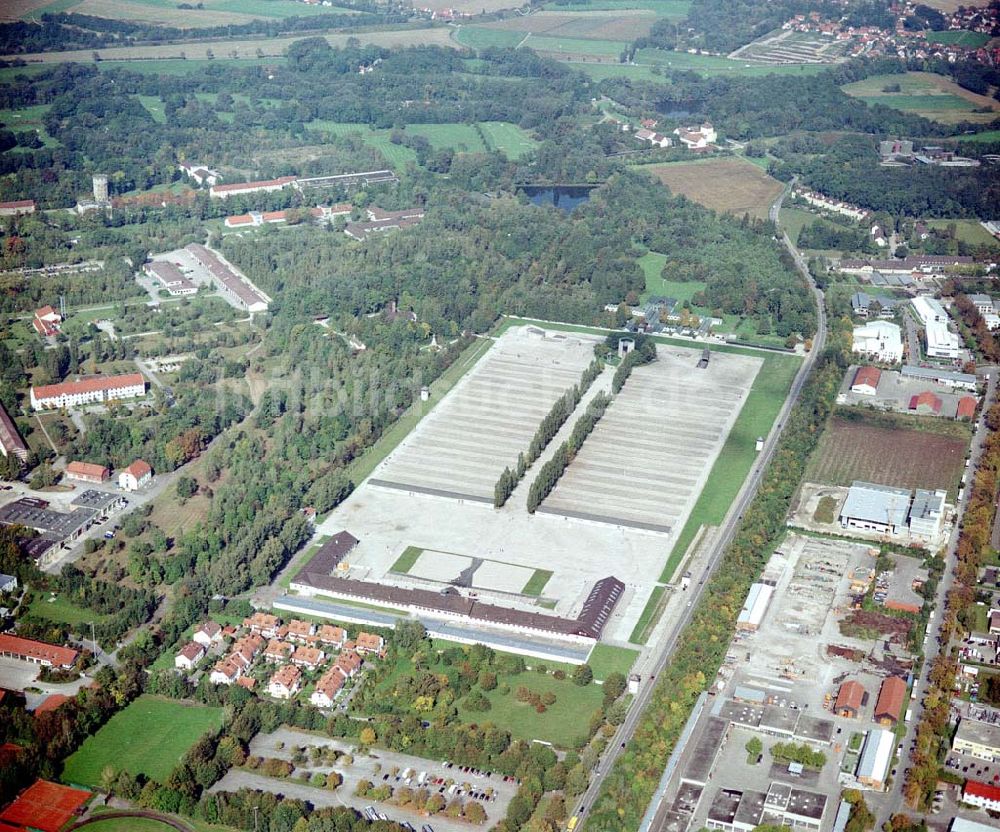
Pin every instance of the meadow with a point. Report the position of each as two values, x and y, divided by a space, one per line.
652 265
61 611
924 93
165 12
670 9
23 119
148 737
971 40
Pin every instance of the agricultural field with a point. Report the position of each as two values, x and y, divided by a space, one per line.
670 9
549 43
985 136
727 185
718 65
166 13
859 450
626 25
149 737
243 49
926 94
970 40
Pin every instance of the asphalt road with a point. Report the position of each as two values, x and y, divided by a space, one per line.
664 650
892 801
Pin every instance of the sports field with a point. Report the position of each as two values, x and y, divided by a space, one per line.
924 93
858 450
149 737
731 186
971 40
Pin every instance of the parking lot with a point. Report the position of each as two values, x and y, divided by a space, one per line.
380 767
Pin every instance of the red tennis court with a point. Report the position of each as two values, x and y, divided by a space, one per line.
46 806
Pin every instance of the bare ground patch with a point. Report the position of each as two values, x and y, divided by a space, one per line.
728 185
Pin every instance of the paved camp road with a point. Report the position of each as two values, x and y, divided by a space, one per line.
664 649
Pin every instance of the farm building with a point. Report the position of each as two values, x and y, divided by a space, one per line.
925 403
755 606
889 704
87 472
875 508
850 698
88 391
259 187
876 757
866 381
977 739
17 207
879 340
46 321
927 513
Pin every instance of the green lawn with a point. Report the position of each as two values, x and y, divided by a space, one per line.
536 583
363 465
23 119
985 136
149 737
63 612
652 266
605 659
575 46
968 231
650 614
154 106
463 137
507 138
396 155
737 456
564 724
404 563
919 103
959 37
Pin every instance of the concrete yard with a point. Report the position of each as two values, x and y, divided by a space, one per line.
463 445
894 392
648 458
